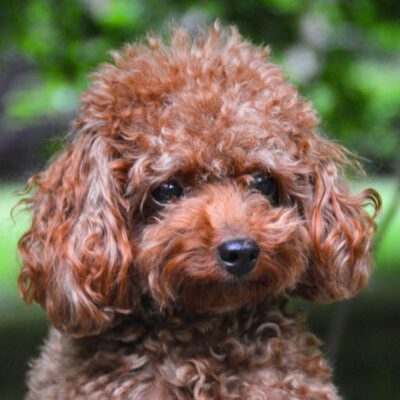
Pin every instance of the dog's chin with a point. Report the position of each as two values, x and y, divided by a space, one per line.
225 296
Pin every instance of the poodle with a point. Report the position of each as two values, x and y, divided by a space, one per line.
195 197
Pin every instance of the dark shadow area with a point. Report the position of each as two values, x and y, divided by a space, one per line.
367 357
21 335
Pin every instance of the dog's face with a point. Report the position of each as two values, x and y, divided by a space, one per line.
218 242
196 177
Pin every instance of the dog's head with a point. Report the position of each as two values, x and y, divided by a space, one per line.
196 176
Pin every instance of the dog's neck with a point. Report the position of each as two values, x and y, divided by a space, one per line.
179 326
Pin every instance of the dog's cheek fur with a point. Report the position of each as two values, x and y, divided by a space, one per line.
178 253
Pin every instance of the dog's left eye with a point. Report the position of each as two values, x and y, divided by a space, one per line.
268 186
167 191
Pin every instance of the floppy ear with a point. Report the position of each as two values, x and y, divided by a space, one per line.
76 255
340 254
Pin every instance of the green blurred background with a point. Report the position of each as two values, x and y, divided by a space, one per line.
344 55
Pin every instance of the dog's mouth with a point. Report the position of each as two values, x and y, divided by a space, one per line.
225 296
197 282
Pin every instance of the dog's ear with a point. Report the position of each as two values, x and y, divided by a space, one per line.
340 232
76 255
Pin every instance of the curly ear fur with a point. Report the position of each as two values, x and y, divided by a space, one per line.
340 233
76 255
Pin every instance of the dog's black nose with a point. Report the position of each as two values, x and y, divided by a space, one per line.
238 256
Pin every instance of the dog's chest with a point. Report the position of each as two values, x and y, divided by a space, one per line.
206 360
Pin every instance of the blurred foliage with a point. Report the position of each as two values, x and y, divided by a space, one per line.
345 55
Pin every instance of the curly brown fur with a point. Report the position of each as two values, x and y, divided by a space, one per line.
257 353
142 307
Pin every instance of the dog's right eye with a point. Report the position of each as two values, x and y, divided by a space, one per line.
167 191
268 186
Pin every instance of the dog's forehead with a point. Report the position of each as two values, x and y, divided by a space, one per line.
221 123
218 151
221 133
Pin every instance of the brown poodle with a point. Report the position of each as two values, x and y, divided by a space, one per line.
195 197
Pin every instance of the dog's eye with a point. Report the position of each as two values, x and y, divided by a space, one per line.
268 186
167 191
